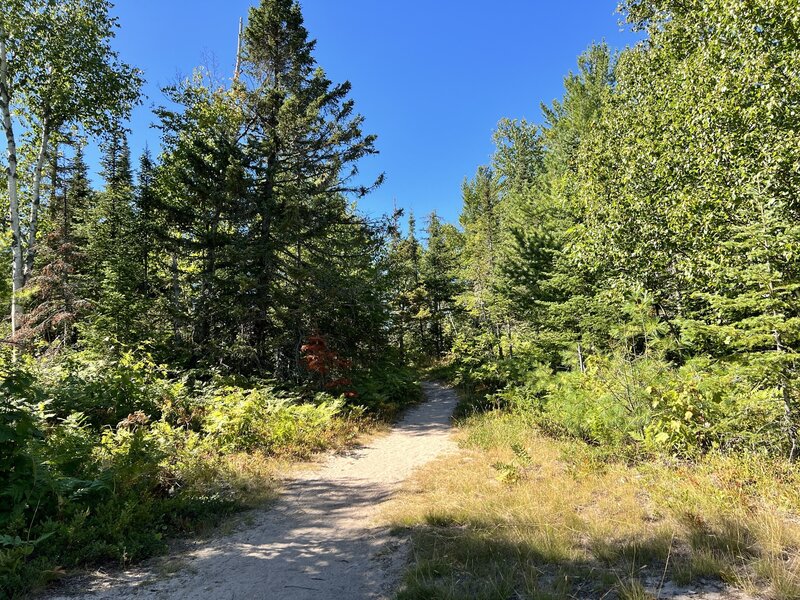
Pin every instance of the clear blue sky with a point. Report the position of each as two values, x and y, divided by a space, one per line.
432 77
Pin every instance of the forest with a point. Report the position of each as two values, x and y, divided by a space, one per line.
622 284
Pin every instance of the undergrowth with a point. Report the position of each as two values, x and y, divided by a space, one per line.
102 461
522 514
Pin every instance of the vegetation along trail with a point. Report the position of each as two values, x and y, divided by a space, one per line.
320 540
615 296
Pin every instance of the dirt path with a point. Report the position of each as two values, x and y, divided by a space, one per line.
320 540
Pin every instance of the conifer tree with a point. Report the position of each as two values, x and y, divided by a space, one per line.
200 215
57 289
407 295
440 281
112 272
57 70
145 202
303 146
749 313
482 222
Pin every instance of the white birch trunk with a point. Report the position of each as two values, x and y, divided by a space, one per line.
17 274
36 195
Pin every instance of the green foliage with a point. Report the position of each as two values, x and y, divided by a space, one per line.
160 353
240 419
626 272
107 390
639 404
439 282
648 270
386 389
104 458
24 476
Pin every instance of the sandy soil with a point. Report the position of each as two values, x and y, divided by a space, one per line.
319 541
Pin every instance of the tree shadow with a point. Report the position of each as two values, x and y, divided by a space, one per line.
454 560
308 546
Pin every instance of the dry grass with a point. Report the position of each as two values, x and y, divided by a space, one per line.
519 515
253 478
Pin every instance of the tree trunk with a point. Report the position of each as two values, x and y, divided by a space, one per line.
499 337
36 195
17 275
176 298
402 343
264 278
206 319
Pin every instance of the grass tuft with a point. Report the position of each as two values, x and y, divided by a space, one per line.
578 522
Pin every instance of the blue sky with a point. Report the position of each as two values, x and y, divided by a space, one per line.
432 77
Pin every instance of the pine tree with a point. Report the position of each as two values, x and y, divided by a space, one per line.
750 315
198 214
57 290
484 236
544 275
303 145
111 269
406 295
145 203
439 278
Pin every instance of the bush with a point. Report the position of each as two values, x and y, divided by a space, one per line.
107 390
385 389
641 402
104 458
239 419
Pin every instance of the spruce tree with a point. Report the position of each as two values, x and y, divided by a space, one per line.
749 315
58 294
198 214
145 202
303 145
440 281
482 223
406 293
111 269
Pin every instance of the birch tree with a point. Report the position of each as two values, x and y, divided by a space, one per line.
57 70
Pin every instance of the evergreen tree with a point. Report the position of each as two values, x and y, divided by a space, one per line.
57 70
406 297
749 312
439 277
145 203
111 271
303 144
483 226
544 274
202 214
57 290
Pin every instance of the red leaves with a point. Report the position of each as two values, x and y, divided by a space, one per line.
341 382
320 359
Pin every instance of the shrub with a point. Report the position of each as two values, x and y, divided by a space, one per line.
25 478
642 402
107 390
240 419
104 458
385 389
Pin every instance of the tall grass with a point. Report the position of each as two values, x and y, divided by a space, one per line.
520 514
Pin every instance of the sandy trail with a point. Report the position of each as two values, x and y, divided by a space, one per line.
320 540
